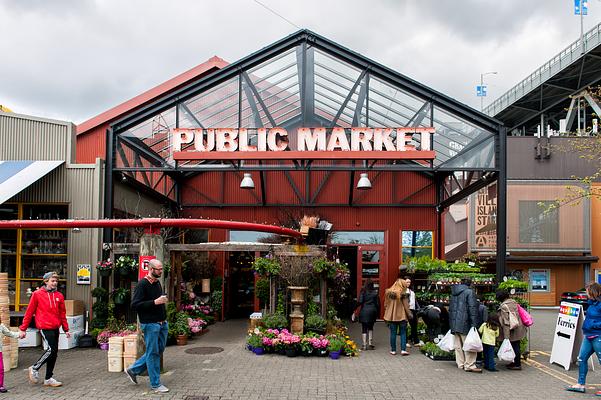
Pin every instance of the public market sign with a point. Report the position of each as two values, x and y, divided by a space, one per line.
275 143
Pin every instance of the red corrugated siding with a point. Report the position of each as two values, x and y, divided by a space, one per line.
390 219
91 145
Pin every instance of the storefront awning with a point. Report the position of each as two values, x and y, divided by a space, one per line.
20 174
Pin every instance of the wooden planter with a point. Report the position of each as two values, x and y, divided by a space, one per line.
181 340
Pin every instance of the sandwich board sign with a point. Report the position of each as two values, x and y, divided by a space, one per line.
568 334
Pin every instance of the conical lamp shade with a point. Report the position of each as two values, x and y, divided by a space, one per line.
247 182
364 182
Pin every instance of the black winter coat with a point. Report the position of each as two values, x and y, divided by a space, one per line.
370 307
463 310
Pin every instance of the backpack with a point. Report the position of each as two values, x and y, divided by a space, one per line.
513 319
525 316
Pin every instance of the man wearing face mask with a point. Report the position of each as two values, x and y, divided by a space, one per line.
48 305
149 302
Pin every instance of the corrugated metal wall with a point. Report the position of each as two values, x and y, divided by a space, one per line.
27 138
92 144
80 186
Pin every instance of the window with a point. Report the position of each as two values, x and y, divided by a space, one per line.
416 244
357 237
254 237
536 225
539 280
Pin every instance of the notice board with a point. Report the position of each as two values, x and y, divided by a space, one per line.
568 334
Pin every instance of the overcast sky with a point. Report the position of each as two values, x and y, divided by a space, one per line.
73 59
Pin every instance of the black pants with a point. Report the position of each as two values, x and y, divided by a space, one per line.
517 361
367 326
413 325
50 338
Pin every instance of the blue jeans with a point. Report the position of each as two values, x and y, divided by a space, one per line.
155 337
588 347
400 328
489 356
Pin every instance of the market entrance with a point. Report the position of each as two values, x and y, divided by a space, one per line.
364 262
241 294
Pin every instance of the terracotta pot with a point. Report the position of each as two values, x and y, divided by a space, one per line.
181 340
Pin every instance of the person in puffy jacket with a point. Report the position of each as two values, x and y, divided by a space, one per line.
591 332
463 315
48 306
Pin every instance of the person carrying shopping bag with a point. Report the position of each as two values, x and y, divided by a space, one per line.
463 315
512 327
397 314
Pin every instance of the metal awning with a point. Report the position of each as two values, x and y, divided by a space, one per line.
20 174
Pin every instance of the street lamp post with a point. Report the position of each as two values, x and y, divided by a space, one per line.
482 87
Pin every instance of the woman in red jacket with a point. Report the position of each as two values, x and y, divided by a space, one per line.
48 305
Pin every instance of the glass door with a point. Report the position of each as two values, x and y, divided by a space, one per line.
370 265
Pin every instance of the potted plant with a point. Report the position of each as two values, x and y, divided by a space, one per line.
275 321
125 265
255 343
335 346
104 267
120 295
181 329
103 339
315 323
266 266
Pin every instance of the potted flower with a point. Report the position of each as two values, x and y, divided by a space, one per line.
103 339
335 346
181 329
120 295
196 325
125 265
255 343
104 267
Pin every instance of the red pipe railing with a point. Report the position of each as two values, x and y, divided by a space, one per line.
149 224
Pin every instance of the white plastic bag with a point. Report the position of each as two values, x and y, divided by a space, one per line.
506 352
447 343
472 341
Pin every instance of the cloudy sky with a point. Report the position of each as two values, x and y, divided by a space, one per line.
73 59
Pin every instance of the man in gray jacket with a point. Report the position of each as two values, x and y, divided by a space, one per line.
463 315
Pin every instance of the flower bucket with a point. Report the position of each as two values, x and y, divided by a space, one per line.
104 272
181 340
308 353
335 355
258 351
104 346
249 347
322 352
290 352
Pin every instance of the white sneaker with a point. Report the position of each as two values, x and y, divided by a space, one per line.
160 389
34 376
52 382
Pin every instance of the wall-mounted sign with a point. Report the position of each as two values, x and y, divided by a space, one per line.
200 143
143 266
84 274
485 228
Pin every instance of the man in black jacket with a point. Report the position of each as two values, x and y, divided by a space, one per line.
463 315
149 301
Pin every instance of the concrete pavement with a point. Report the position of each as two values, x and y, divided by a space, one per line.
236 373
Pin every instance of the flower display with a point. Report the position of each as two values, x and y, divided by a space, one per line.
105 335
196 324
104 265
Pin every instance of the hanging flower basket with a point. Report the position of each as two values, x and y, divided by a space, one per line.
104 267
104 272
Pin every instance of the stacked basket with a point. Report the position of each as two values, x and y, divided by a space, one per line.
7 343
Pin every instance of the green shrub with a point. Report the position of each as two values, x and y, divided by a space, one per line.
514 284
262 290
216 300
266 266
275 321
315 322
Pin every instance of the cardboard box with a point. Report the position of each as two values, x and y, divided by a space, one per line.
32 338
74 307
65 343
76 323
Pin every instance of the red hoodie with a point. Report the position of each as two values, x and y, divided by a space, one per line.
49 310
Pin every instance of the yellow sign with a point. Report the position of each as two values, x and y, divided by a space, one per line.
84 274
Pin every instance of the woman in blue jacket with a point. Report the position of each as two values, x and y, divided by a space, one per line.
591 341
